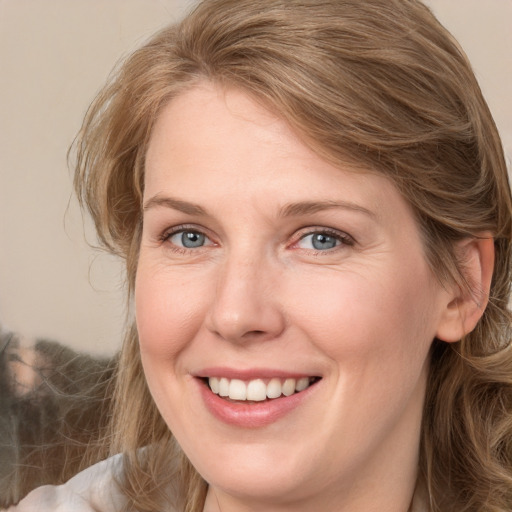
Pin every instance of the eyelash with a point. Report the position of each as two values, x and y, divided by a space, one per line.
165 237
344 238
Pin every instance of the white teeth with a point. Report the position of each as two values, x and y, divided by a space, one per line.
256 390
237 390
214 385
302 384
289 387
274 388
223 387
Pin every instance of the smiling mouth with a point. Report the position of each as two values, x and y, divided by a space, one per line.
258 390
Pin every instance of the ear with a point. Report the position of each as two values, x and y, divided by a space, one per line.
466 306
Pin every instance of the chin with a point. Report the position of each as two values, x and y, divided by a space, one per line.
261 473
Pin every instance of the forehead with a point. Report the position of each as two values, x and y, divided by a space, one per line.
210 143
197 119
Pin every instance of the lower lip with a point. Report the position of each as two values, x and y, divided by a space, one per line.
252 414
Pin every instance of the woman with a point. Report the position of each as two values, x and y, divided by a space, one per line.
313 205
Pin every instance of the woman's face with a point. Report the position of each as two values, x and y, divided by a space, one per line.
263 269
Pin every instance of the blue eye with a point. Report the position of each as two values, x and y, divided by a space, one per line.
188 239
319 241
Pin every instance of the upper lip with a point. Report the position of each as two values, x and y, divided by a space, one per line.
251 373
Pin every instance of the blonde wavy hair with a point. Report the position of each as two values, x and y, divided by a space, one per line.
378 82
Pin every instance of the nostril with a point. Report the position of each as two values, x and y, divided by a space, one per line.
254 334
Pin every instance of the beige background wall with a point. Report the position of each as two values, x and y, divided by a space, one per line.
54 55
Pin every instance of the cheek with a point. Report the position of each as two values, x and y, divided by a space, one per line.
361 318
167 311
167 317
376 330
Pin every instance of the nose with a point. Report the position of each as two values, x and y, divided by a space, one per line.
245 307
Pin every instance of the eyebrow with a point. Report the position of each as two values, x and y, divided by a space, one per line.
288 210
175 204
309 207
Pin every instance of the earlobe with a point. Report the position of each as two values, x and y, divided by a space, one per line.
466 304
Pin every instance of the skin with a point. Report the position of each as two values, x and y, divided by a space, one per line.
257 294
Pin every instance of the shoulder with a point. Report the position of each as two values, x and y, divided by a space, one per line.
92 490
